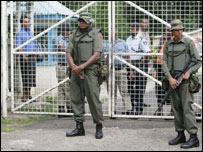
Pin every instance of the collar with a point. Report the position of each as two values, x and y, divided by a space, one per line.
79 32
181 40
25 29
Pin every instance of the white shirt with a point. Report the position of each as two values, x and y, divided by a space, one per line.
145 35
137 44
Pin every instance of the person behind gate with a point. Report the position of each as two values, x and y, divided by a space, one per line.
120 71
137 84
62 68
157 65
83 55
177 53
27 61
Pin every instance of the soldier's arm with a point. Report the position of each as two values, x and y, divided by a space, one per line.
98 45
194 54
69 51
173 82
70 60
91 60
77 70
164 62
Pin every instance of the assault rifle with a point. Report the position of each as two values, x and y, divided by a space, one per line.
82 90
178 77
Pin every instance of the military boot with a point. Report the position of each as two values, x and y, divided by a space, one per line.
78 131
99 133
179 139
192 142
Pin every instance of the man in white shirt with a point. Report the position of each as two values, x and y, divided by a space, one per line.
144 25
137 84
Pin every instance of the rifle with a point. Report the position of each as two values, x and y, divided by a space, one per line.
178 77
82 90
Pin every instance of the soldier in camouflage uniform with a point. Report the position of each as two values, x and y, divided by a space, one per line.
89 42
176 55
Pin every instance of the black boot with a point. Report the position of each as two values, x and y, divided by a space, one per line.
99 133
78 131
179 139
192 142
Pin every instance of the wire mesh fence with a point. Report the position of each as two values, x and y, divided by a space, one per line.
40 72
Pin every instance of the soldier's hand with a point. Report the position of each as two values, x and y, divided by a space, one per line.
186 76
81 76
173 83
77 70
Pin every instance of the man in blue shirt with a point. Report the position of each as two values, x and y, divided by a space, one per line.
120 70
62 69
27 62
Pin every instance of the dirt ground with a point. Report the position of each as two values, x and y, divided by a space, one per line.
119 135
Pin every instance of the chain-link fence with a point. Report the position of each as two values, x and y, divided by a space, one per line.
39 33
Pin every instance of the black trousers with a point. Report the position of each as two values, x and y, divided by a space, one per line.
137 87
28 71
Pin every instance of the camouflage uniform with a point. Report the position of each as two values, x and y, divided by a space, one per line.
182 51
88 43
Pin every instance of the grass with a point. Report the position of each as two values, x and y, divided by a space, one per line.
13 124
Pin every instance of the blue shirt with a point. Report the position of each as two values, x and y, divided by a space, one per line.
23 36
61 41
120 47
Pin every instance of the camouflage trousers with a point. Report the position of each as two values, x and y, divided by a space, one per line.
63 89
92 91
184 114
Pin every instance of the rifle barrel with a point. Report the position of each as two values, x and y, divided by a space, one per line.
178 77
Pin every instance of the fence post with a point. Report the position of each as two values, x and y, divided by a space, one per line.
4 58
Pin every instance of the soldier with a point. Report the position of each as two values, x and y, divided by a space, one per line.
85 45
62 70
176 55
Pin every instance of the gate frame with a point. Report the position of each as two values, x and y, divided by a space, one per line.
112 56
4 70
135 68
14 51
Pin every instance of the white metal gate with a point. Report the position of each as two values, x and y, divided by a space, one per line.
108 15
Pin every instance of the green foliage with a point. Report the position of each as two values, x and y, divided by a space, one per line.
12 124
188 11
